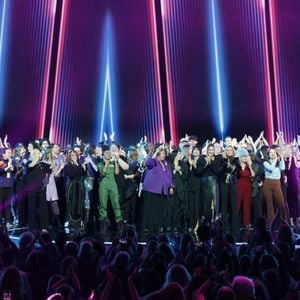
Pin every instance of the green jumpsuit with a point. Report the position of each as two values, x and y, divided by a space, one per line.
108 188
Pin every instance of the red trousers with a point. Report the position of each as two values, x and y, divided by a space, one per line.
244 196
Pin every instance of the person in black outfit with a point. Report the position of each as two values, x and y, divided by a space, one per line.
75 192
132 177
35 185
208 167
7 171
257 194
194 189
179 203
91 185
230 169
19 162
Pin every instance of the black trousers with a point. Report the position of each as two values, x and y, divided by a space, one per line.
21 202
61 191
178 211
37 205
257 204
230 218
6 195
193 208
128 208
154 211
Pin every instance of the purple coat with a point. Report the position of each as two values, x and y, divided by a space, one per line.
157 180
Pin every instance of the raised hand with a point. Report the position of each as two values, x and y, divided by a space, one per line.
112 137
5 141
105 136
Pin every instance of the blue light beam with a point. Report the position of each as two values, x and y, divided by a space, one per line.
107 93
218 82
3 45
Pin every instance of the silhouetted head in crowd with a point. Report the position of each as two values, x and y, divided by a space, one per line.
203 232
10 280
268 261
66 263
86 250
173 291
243 288
179 274
225 293
25 239
152 246
66 291
185 240
121 262
245 265
71 249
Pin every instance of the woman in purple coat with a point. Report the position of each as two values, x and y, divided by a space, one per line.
158 185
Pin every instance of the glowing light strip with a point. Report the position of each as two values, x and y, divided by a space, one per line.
2 71
172 120
217 65
270 117
42 117
54 133
276 65
107 96
157 67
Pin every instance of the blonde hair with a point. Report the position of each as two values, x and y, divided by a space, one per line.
225 151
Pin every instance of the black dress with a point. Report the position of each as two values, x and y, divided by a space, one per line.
75 194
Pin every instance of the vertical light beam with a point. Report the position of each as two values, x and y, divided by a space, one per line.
41 126
107 96
217 69
107 90
172 120
275 64
157 67
55 134
269 108
3 43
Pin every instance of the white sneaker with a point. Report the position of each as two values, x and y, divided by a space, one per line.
66 224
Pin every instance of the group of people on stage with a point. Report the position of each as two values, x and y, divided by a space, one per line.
157 187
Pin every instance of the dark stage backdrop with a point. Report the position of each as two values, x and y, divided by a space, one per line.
165 67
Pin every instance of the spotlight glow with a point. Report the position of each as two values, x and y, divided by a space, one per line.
41 125
157 69
166 38
3 34
269 108
218 82
276 65
55 131
107 90
107 97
